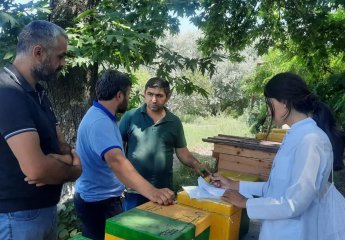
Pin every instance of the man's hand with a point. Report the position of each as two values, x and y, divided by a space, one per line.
163 196
36 182
186 157
70 159
200 169
66 158
235 198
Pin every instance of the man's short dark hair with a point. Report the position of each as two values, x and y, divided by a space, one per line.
110 83
157 82
38 32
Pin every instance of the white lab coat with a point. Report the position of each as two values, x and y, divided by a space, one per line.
288 202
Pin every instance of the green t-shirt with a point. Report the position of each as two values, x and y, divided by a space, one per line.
150 146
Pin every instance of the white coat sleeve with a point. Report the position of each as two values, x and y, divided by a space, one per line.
251 188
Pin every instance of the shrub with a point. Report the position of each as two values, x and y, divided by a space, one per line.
68 223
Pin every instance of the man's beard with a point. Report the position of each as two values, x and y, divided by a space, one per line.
123 106
156 108
43 73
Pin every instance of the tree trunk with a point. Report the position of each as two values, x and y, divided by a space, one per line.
73 93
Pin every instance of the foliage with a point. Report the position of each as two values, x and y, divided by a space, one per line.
13 16
194 104
305 37
117 37
227 94
223 87
328 86
68 223
115 34
310 29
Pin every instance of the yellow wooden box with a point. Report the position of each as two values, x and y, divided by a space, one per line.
244 225
225 218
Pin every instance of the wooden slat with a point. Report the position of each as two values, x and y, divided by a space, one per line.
237 138
250 162
244 165
261 177
231 157
243 142
240 151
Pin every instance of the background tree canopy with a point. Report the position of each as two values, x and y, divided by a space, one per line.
306 37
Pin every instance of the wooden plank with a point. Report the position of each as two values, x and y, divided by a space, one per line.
236 138
250 143
240 151
237 158
244 165
250 162
261 177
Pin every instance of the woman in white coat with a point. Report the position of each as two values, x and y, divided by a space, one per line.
288 202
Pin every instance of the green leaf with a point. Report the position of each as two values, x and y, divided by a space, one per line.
63 234
8 56
7 18
87 13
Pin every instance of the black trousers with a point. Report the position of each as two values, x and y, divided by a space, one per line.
94 214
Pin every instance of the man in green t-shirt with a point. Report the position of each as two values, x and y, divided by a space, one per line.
151 134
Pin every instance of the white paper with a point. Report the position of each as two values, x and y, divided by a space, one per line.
204 190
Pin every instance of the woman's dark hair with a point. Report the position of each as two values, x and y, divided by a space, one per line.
293 91
110 83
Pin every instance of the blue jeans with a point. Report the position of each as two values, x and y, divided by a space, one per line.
37 224
133 200
93 215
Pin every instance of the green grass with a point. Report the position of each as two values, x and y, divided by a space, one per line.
201 128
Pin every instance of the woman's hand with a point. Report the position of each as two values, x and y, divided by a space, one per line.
235 198
223 182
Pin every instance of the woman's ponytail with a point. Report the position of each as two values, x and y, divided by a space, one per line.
324 118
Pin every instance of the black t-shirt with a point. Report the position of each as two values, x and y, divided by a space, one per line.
24 109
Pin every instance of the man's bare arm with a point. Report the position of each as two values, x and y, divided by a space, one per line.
186 157
129 176
39 167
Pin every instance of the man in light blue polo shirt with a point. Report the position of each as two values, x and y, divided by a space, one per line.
105 168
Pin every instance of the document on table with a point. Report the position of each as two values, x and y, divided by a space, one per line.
204 190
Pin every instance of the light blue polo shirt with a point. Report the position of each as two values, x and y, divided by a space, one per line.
97 134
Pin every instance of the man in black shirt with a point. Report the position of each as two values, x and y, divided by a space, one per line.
34 158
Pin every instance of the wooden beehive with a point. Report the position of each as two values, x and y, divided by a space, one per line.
244 155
